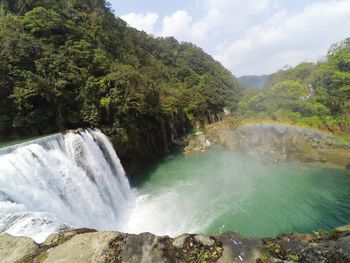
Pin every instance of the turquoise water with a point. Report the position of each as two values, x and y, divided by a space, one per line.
223 190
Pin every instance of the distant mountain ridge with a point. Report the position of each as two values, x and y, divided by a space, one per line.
254 81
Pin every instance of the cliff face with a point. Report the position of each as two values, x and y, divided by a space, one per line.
87 245
279 143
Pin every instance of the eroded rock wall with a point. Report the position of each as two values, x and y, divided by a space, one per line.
278 143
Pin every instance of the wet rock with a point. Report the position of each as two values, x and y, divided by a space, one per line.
338 156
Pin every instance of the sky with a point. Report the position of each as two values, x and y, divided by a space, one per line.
249 37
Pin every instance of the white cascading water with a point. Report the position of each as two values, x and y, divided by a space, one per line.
60 181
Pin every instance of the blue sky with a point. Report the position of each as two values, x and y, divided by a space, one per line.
246 36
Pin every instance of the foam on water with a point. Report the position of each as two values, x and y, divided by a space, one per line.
60 181
77 180
223 190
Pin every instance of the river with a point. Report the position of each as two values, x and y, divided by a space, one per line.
223 190
76 180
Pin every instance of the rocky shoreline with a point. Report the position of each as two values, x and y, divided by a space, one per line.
275 143
88 245
193 143
281 143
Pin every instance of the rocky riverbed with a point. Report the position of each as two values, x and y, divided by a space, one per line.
279 143
87 245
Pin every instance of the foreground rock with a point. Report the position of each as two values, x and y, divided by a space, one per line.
87 245
278 143
16 249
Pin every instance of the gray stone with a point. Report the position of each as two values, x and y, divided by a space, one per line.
88 247
239 249
143 248
205 240
180 240
82 245
344 243
276 143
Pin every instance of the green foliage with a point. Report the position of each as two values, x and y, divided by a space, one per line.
285 96
70 63
42 22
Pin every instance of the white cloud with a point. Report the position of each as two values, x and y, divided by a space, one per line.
145 22
255 36
287 38
221 17
180 26
177 25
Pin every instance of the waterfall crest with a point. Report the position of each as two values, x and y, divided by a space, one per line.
60 181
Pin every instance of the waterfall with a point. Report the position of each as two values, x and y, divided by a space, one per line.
61 181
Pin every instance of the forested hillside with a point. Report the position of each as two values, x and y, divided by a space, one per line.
253 81
70 63
316 95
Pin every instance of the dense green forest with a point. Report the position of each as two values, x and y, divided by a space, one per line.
287 95
69 63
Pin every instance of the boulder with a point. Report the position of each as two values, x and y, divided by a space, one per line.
56 239
88 247
205 240
16 249
83 246
341 231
